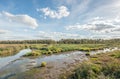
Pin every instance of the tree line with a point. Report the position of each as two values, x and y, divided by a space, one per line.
63 41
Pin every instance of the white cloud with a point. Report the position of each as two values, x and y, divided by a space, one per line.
4 31
99 25
57 35
107 8
25 30
61 35
21 19
60 13
77 6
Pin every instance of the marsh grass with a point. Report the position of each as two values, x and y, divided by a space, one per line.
59 48
102 66
10 49
47 49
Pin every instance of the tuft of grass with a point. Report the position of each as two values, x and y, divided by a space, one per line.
87 53
33 53
43 64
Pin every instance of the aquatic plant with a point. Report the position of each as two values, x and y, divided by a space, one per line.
87 53
43 64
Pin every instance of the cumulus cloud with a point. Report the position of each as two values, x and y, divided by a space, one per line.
77 7
60 13
21 18
98 25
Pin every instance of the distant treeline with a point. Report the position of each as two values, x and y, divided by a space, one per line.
63 41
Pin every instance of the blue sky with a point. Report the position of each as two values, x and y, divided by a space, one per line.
59 19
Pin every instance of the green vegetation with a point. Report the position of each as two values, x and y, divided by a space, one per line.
102 66
47 47
116 54
87 53
43 49
65 41
43 64
33 53
10 49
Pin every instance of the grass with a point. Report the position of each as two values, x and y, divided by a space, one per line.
59 48
48 49
10 49
87 53
102 66
116 54
43 64
33 53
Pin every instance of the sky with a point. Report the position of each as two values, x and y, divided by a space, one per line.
59 19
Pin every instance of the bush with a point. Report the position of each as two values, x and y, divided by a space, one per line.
96 68
43 64
116 54
86 71
33 53
50 52
87 53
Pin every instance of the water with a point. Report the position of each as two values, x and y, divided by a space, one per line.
7 60
16 64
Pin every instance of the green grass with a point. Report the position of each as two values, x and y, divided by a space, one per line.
48 49
43 64
116 54
59 48
87 53
102 66
33 53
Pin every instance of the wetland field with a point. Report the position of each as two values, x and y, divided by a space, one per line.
64 59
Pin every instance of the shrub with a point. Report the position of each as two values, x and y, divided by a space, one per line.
87 53
116 54
43 64
50 52
96 68
86 71
33 53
